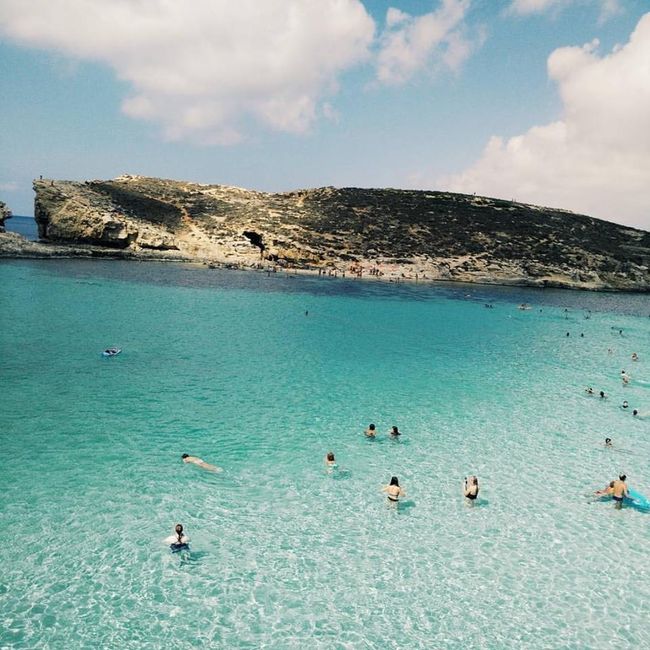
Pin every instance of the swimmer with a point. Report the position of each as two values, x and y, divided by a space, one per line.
195 460
635 413
606 490
602 394
371 431
393 490
624 405
330 461
619 491
470 488
608 442
394 432
635 356
589 390
179 540
625 378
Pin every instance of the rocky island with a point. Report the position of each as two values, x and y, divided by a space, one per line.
384 233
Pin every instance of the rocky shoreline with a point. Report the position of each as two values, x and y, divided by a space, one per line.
389 235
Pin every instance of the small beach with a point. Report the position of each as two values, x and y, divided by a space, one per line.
226 365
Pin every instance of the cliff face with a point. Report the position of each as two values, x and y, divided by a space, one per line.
435 235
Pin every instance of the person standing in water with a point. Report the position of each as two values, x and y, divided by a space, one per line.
470 488
371 431
393 490
619 491
395 432
330 461
179 541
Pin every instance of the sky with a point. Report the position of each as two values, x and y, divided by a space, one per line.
539 101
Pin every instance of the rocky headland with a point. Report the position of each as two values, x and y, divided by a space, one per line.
383 233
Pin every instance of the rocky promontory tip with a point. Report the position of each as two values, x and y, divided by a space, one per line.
5 213
380 232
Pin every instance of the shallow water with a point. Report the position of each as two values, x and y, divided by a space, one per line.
227 366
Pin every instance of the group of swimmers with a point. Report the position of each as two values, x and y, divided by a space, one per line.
371 431
393 489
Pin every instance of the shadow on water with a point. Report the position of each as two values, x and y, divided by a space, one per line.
404 507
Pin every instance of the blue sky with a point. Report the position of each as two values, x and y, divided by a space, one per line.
500 98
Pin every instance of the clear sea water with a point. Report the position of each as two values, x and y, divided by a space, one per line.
226 365
25 226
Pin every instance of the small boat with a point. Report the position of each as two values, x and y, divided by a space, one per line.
111 352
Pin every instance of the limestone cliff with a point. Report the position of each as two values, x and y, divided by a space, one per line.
434 235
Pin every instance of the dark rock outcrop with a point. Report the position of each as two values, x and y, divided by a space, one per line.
5 214
434 235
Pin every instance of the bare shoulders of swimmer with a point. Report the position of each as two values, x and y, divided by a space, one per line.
370 431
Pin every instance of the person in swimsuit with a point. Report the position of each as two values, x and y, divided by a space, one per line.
330 461
608 442
624 405
394 432
635 356
470 488
179 541
393 490
371 431
195 460
605 491
625 378
619 491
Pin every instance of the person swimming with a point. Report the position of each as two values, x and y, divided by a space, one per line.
602 394
394 432
371 431
635 356
624 405
330 461
470 488
625 378
195 460
589 390
605 491
608 442
393 490
179 541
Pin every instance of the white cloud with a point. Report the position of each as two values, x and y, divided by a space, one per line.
526 7
202 68
596 158
411 43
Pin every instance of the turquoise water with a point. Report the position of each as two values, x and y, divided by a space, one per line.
227 366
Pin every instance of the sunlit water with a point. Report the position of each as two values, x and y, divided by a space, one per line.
227 366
